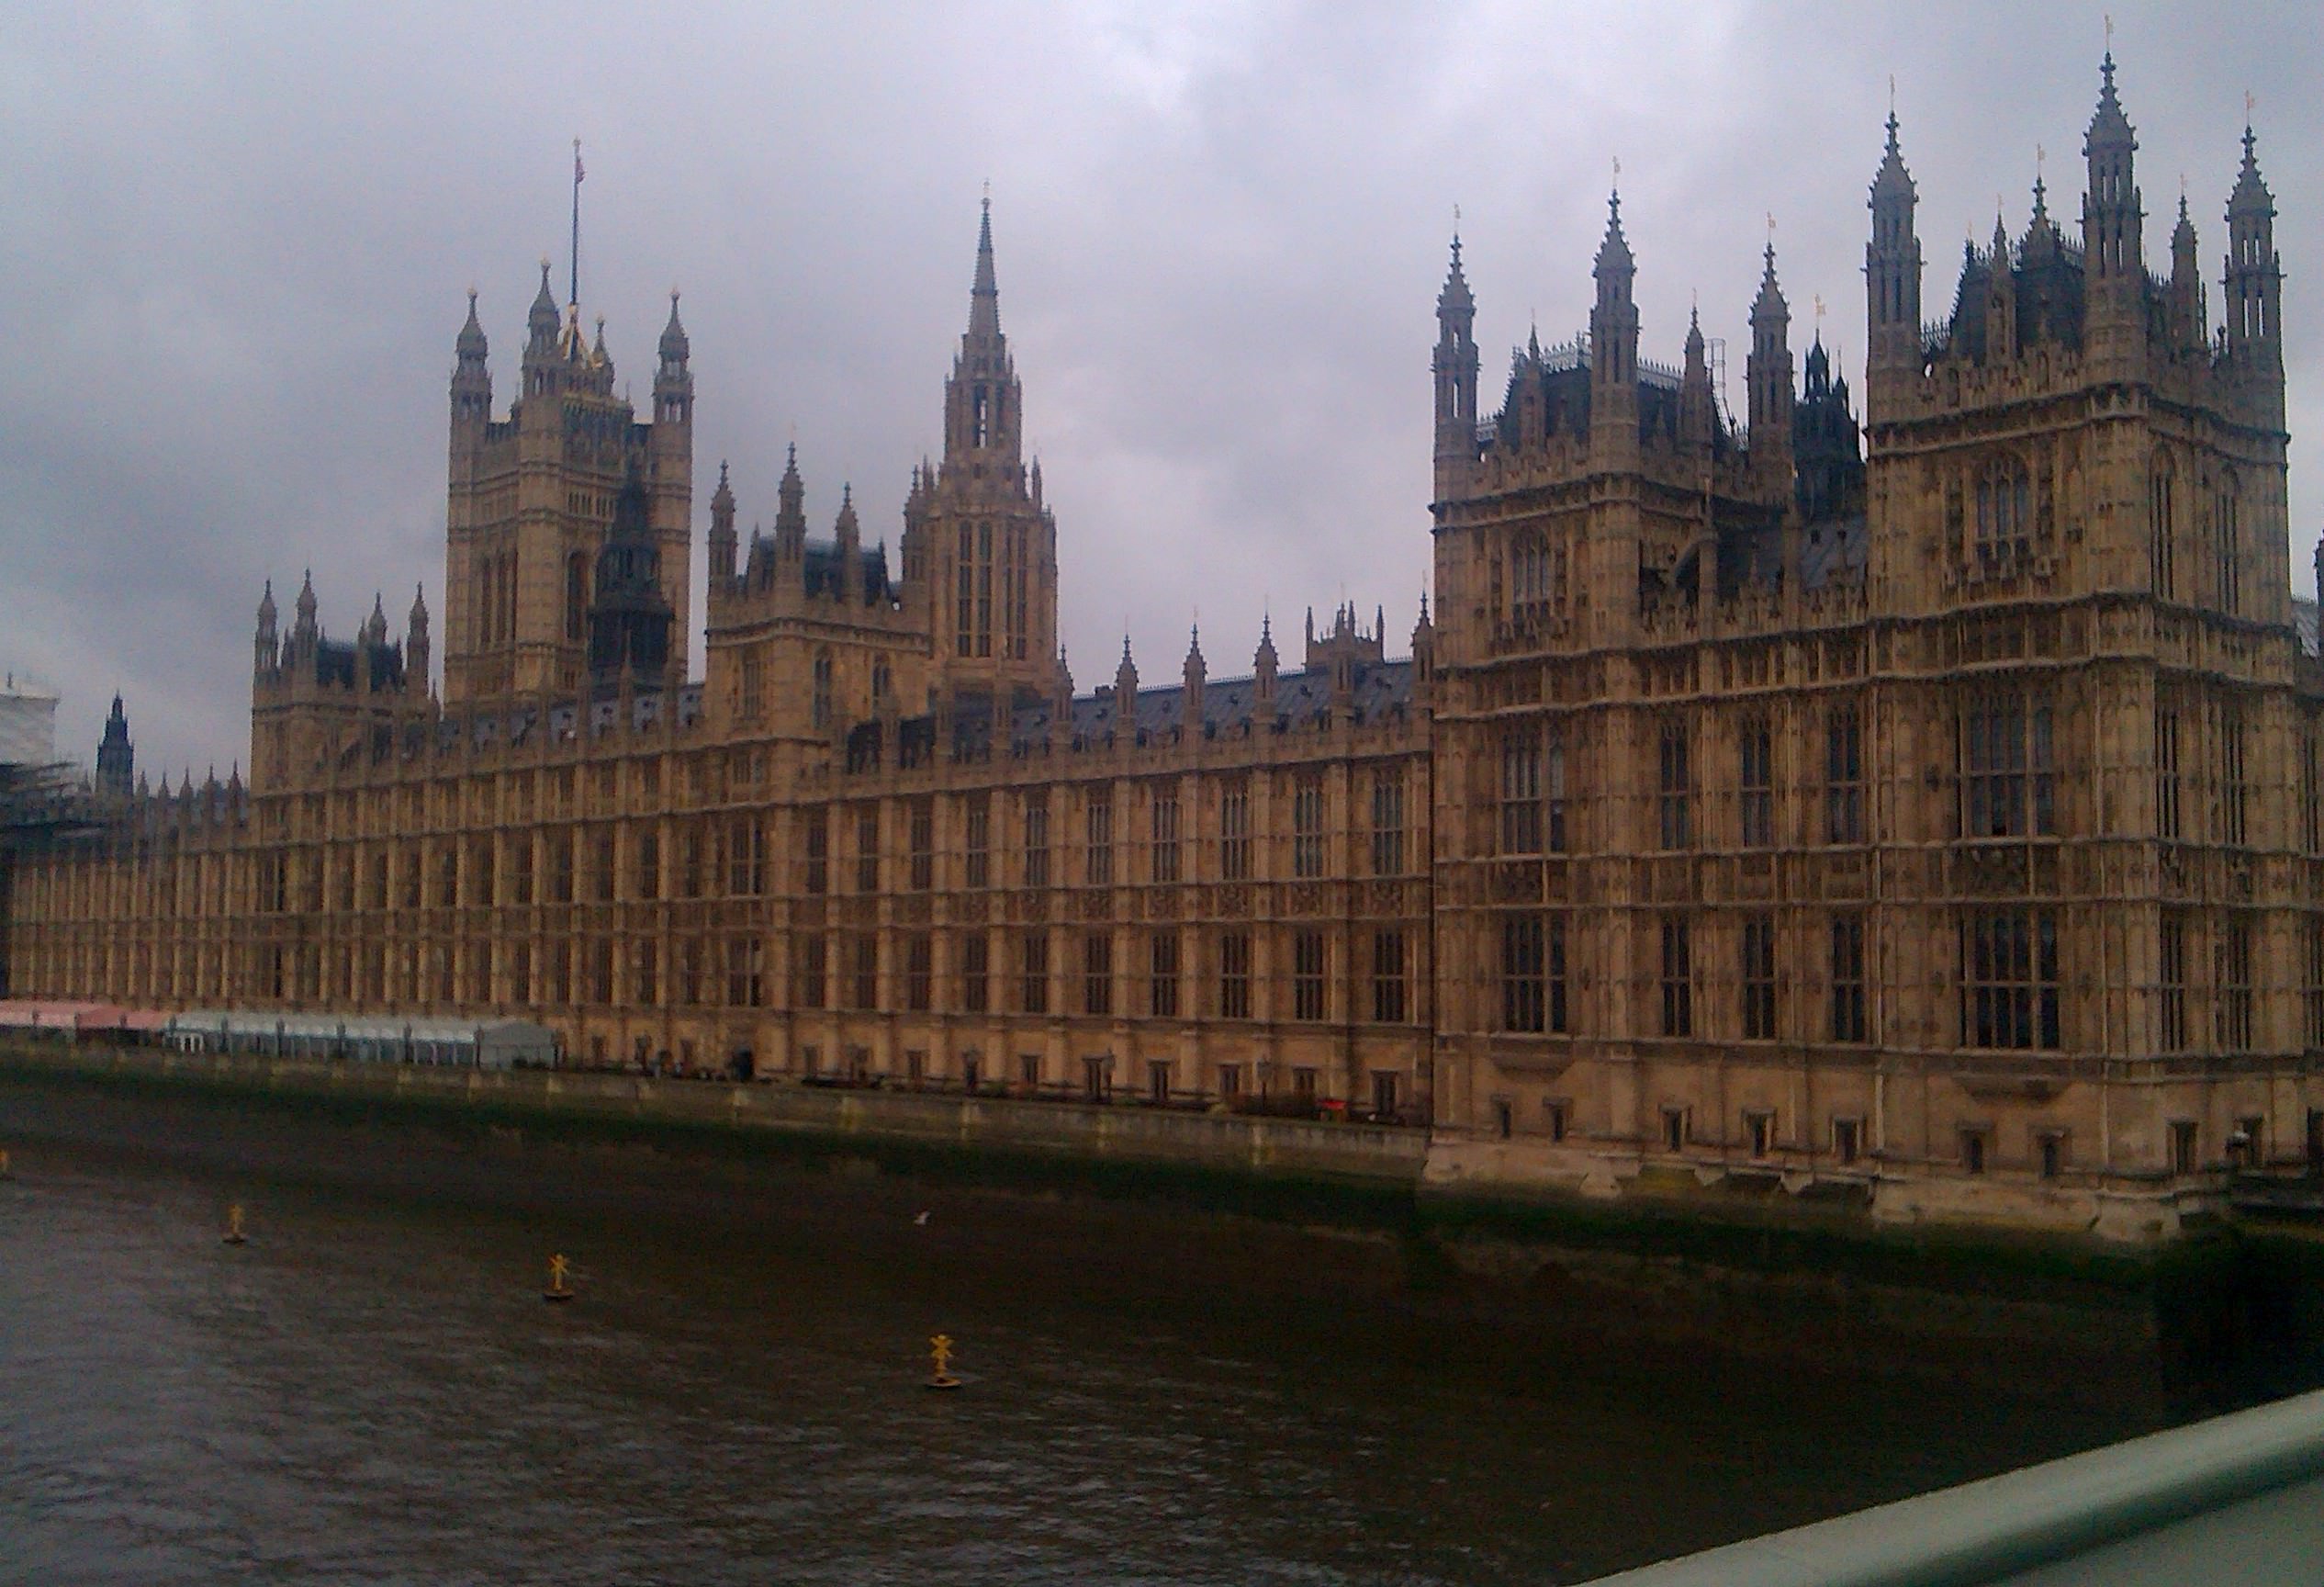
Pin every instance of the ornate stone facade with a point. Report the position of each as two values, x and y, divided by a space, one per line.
1932 817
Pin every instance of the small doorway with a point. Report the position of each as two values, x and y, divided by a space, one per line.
1097 1079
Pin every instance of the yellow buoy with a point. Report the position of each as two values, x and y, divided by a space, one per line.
940 1347
234 1235
559 1268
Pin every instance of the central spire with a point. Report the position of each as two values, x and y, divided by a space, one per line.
984 297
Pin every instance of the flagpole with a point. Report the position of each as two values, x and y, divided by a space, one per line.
574 295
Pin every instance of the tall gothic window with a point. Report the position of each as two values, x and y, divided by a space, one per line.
1521 789
1098 853
1848 1021
1523 1000
1759 977
2235 789
1757 783
964 617
1388 977
2226 543
2009 979
2162 531
1673 802
1098 973
867 849
1307 987
1234 975
821 706
1306 827
1163 975
2006 762
922 826
2166 772
976 972
1033 972
1387 822
2004 512
1843 775
1234 831
977 842
2171 982
1162 820
1036 842
1678 976
2231 974
984 589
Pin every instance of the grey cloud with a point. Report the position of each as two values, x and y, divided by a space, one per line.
234 243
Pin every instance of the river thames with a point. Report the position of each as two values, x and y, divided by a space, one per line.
372 1390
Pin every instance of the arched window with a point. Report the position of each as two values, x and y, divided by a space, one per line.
823 691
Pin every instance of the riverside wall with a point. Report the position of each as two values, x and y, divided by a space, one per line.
1362 1156
2221 1318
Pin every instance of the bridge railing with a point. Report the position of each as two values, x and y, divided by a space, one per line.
2121 1501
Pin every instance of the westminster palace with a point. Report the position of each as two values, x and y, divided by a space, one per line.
1922 810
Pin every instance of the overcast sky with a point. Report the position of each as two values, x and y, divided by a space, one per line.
235 243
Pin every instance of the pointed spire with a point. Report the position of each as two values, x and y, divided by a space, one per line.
1770 304
1613 250
2250 196
1892 180
470 345
541 321
1456 298
673 345
266 606
985 296
1126 687
2109 128
419 608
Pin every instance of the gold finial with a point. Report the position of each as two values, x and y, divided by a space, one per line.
1616 170
2110 32
988 191
2251 103
1891 95
1819 313
2041 155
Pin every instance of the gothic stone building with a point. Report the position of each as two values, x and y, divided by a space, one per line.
1927 811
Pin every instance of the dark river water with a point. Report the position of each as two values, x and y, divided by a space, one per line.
372 1390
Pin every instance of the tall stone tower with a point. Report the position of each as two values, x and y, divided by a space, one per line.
531 500
980 546
115 759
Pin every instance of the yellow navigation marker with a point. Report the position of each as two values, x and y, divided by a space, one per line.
940 1347
559 1268
234 1235
6 1172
